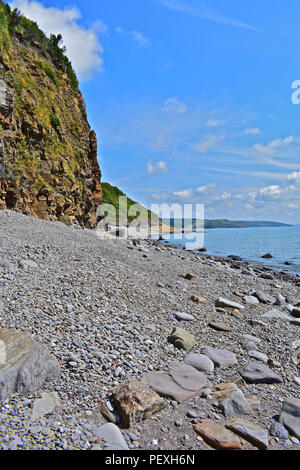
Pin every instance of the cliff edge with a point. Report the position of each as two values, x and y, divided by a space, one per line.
48 152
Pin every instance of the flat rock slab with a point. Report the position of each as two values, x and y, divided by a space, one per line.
231 400
296 312
265 298
222 302
45 405
290 416
256 435
218 326
277 315
182 339
181 316
199 300
259 356
200 362
135 402
26 365
220 357
218 437
250 299
110 435
181 383
257 372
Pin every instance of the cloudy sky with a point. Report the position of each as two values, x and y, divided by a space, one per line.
192 101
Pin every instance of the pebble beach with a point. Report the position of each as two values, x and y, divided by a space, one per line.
113 310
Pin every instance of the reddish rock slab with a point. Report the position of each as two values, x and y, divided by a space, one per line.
218 437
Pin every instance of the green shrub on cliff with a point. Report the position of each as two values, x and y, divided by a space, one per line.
12 22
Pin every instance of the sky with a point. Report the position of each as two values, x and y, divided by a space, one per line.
192 101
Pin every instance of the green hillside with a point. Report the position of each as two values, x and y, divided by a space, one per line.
112 195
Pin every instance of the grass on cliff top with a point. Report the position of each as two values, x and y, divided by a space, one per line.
13 23
112 195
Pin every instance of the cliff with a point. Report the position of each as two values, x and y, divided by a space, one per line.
48 152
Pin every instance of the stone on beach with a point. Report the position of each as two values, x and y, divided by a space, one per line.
257 372
182 339
182 382
135 402
220 357
290 415
231 400
222 302
26 366
45 405
181 316
110 435
253 433
218 437
200 362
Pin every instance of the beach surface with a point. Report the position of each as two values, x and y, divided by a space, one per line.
107 310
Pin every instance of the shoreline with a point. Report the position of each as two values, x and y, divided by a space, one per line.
282 269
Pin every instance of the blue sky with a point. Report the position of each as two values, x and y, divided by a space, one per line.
191 100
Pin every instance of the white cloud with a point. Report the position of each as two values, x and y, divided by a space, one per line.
208 143
155 169
184 194
173 105
83 46
270 148
251 131
138 37
271 192
214 123
294 177
203 12
205 189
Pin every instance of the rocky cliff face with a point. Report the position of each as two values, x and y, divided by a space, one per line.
48 153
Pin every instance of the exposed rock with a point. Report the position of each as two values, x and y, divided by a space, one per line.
290 416
296 357
200 362
250 299
182 339
199 300
231 400
267 256
280 300
218 436
277 315
253 433
110 435
278 430
45 405
218 326
259 356
181 383
257 372
48 153
27 364
264 298
181 316
135 402
296 312
220 357
190 277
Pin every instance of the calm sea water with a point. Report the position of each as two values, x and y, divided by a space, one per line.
252 243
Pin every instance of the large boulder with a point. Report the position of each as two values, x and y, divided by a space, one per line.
25 365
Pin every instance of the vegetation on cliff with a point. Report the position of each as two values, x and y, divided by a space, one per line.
48 154
129 211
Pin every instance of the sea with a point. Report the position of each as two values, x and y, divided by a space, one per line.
283 243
